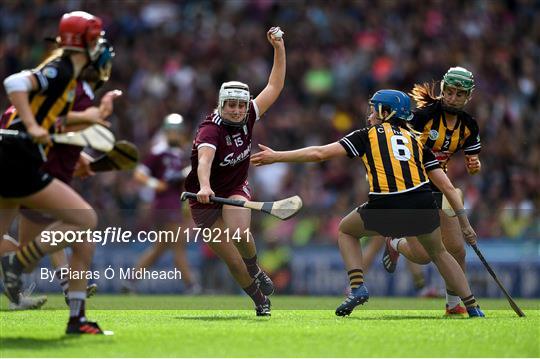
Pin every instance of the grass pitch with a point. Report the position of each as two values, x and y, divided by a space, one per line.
299 327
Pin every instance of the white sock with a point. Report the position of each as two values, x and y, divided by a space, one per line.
64 282
452 300
394 242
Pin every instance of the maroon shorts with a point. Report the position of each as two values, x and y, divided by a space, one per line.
205 215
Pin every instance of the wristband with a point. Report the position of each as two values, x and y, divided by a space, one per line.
460 212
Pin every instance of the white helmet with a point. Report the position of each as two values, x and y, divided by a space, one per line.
173 121
233 90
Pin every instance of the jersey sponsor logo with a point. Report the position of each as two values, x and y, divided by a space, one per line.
50 72
230 160
433 135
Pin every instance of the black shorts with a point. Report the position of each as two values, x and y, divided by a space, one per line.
20 169
438 199
400 215
437 194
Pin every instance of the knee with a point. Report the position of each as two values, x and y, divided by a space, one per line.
87 220
344 228
458 253
423 260
435 251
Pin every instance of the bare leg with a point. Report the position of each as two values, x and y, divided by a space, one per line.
151 255
411 249
238 220
376 243
232 258
29 230
54 199
446 264
350 229
453 238
181 262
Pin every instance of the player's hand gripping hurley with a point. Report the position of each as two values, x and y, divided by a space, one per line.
283 209
97 137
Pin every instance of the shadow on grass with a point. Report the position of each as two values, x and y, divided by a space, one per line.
404 317
34 343
212 318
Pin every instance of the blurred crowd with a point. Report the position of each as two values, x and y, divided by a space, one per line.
171 56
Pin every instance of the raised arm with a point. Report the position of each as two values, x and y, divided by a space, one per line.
308 154
277 77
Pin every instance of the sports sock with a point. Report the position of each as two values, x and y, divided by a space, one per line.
394 242
255 293
64 281
252 267
470 301
356 278
28 256
452 299
77 307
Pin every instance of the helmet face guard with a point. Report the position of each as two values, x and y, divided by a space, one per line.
397 103
233 91
103 63
460 79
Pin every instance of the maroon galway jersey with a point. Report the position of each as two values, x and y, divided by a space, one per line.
61 159
233 151
166 164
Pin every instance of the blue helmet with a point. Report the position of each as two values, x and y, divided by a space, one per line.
397 102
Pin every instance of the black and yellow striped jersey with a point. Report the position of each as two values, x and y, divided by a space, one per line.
430 121
396 161
54 96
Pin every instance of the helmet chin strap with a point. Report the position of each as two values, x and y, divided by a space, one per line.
387 117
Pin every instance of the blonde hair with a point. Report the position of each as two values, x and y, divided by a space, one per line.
424 94
54 54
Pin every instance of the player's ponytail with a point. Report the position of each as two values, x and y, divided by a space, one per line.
424 94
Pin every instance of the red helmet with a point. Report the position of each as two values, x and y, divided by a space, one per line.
78 30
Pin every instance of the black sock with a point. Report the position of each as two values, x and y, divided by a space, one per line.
356 278
470 301
255 293
252 267
28 256
77 307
